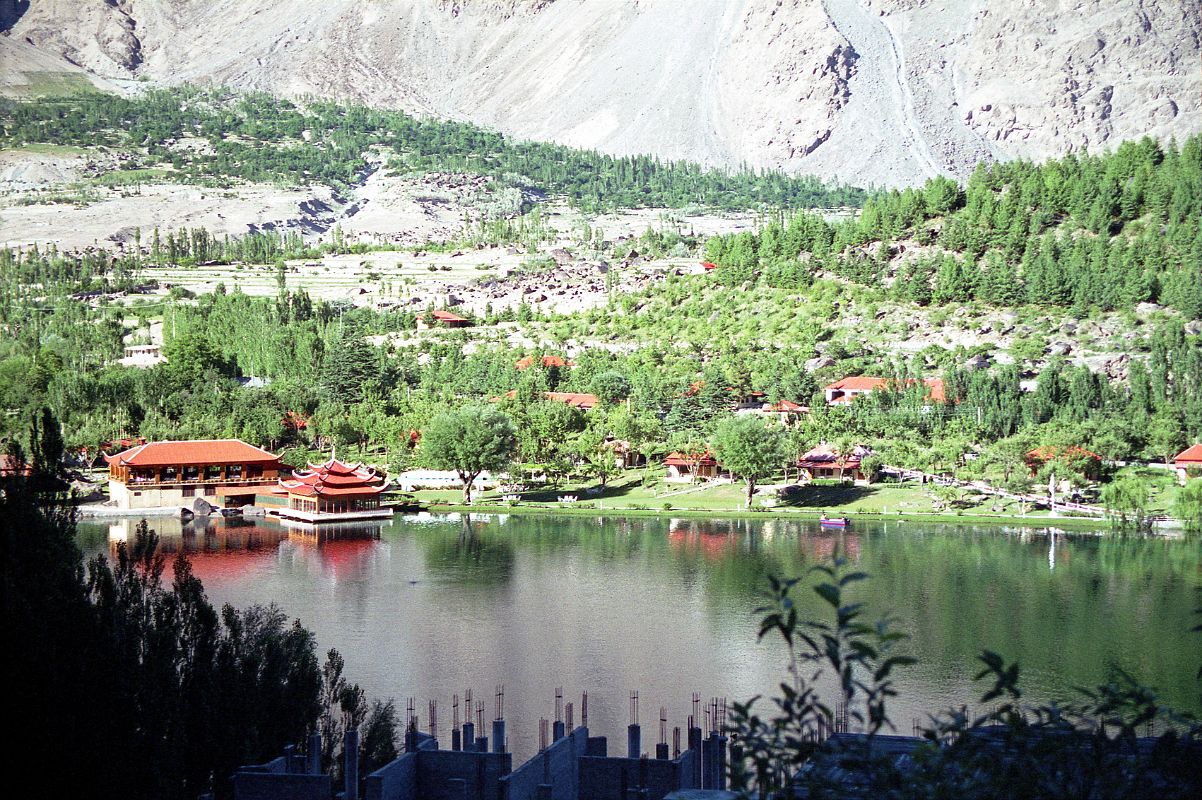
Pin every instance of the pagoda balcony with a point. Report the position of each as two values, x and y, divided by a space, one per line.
150 483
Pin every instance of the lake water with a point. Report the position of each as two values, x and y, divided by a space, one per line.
426 606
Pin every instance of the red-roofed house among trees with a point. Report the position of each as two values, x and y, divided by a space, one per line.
443 319
1072 457
786 411
691 466
548 362
582 400
1187 461
844 391
332 492
224 472
824 462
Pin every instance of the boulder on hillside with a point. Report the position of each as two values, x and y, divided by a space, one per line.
820 362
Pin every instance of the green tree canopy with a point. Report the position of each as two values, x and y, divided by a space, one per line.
469 440
748 448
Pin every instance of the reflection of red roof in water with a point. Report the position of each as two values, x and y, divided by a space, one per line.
344 557
713 546
821 545
231 566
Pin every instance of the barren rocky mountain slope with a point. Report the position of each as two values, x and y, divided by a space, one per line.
868 91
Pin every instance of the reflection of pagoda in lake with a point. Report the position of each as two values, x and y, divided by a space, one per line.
227 549
331 492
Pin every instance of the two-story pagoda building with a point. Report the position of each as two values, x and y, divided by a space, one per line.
332 492
224 472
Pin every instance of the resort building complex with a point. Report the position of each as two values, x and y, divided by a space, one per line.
225 472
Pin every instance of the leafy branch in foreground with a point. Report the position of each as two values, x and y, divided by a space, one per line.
1098 744
857 653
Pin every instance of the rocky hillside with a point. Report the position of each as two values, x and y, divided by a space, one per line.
869 91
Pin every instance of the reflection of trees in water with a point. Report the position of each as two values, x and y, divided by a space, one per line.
1109 600
469 553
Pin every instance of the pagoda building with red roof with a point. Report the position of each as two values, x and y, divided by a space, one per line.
332 492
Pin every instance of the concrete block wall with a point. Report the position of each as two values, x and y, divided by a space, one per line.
448 775
613 778
396 780
558 766
273 786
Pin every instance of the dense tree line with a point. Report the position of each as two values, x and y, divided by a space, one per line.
129 675
1081 232
320 369
256 137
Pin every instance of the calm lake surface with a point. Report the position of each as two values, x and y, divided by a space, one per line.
426 606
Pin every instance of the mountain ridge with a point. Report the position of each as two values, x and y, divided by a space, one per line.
878 92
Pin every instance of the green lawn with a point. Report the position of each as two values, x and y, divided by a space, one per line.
628 492
1162 487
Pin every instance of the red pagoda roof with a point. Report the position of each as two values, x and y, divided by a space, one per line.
334 479
197 451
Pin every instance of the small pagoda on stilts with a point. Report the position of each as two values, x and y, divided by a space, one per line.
332 492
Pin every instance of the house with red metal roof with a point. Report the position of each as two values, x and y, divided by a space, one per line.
691 466
823 462
581 400
786 411
442 319
548 362
1187 461
332 492
224 472
846 390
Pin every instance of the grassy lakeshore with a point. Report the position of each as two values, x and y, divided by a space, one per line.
630 496
1081 523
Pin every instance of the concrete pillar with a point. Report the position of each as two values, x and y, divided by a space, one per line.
661 751
695 746
481 744
455 740
557 731
708 759
469 736
720 763
350 768
498 736
634 746
314 765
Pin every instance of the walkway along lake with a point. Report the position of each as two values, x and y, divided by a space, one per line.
426 606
